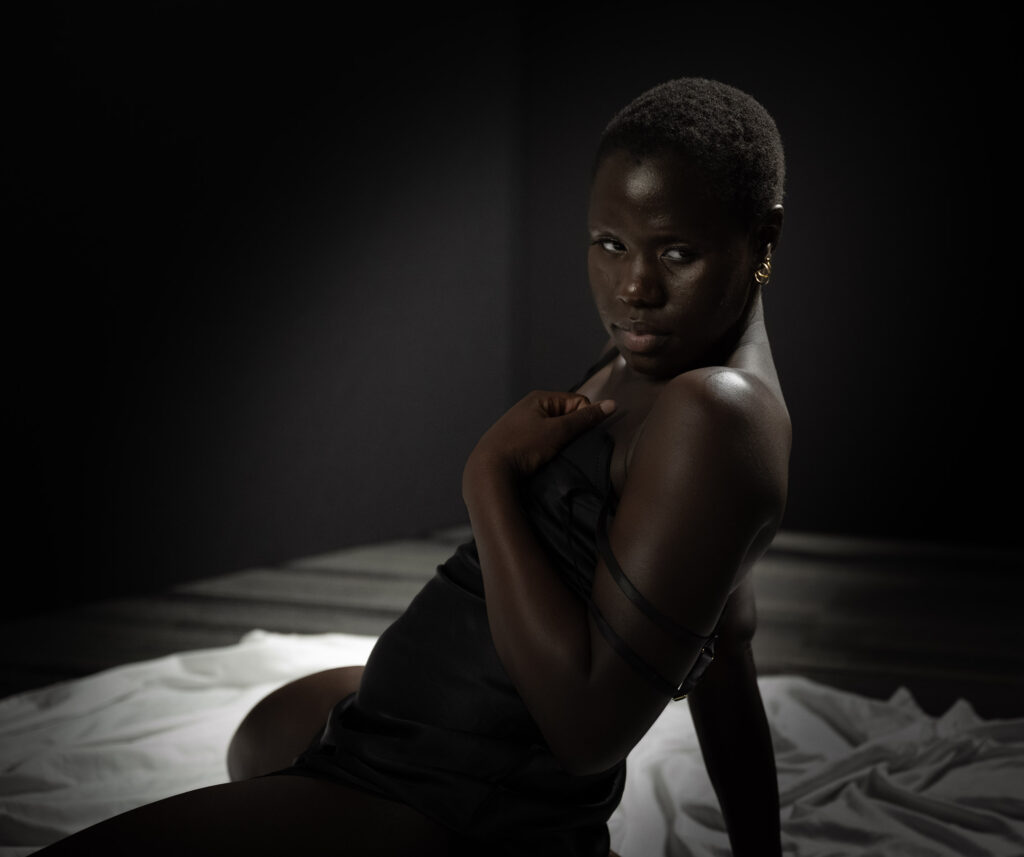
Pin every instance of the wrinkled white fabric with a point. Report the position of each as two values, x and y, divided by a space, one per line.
857 776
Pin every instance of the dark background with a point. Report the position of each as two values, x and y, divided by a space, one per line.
271 270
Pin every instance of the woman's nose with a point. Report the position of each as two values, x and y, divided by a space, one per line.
640 287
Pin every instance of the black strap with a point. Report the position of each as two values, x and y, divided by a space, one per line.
685 635
602 361
704 658
662 685
632 593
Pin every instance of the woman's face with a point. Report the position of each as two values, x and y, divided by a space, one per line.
670 270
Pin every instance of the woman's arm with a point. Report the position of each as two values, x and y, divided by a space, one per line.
734 736
699 493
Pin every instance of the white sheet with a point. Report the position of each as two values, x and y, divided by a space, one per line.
858 776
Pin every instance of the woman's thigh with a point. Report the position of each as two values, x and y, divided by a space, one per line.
283 723
263 816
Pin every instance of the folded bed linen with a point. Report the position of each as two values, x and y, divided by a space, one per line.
857 776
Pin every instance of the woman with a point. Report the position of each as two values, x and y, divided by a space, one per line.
614 527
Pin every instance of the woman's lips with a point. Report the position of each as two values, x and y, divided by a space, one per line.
640 339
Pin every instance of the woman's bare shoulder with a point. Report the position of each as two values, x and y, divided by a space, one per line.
716 442
725 393
721 411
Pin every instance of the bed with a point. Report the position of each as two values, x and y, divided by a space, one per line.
858 776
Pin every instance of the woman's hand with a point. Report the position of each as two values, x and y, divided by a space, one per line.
533 430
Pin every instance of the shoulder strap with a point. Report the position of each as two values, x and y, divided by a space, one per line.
602 361
631 592
704 657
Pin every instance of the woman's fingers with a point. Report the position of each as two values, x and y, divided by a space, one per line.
537 427
563 418
585 416
561 404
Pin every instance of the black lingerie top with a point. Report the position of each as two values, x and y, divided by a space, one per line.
438 724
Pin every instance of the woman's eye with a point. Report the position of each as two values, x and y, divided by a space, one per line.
677 254
610 245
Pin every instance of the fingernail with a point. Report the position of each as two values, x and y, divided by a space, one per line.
608 405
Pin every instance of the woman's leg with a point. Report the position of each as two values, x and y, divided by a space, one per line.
282 724
273 816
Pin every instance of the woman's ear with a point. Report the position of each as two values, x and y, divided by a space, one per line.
770 230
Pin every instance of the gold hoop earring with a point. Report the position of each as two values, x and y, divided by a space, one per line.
764 271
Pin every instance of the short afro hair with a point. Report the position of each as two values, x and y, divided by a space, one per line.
728 133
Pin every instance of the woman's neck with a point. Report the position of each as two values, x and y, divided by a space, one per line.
753 352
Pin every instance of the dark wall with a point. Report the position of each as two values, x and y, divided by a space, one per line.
272 273
261 309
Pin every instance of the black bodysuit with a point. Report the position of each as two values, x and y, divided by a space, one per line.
438 724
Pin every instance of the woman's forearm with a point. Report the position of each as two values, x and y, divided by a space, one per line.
736 743
539 627
542 632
